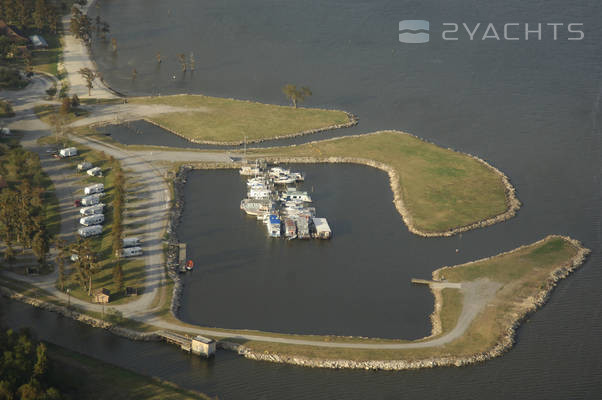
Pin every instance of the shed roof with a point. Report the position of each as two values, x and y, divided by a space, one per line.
203 339
38 41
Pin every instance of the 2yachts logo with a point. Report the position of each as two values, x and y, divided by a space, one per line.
418 31
414 31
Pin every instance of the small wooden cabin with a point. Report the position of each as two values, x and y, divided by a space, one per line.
102 296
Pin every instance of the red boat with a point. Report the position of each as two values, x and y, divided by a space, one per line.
189 265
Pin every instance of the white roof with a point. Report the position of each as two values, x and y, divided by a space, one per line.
321 224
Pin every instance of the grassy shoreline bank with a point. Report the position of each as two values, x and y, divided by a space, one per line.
527 275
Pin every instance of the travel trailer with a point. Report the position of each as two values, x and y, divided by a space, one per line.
68 152
98 188
90 231
95 219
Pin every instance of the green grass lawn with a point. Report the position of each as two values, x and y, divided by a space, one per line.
46 111
441 189
216 119
46 60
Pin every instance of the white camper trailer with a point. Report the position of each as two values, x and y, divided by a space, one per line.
131 242
95 219
91 210
90 231
68 152
96 171
93 189
131 252
90 200
84 166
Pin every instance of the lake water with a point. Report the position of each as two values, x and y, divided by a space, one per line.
531 108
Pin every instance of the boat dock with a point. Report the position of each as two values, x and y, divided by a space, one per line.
197 345
184 342
440 284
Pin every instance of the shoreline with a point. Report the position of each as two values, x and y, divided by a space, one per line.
512 202
505 342
352 121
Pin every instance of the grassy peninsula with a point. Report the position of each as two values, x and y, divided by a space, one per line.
523 277
437 189
214 119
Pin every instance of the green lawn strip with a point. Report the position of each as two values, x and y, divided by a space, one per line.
228 120
83 377
46 60
441 189
523 273
46 111
34 292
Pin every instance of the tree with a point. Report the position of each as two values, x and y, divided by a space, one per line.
9 254
118 276
75 101
41 366
63 253
296 95
182 59
65 106
40 14
40 246
89 77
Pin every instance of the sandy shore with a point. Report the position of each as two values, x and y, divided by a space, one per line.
77 56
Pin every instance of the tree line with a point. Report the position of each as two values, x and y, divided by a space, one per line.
25 368
83 27
22 217
117 231
40 15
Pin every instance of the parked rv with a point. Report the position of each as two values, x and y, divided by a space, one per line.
96 171
84 166
93 189
91 210
131 252
4 131
131 242
90 231
68 152
90 200
95 219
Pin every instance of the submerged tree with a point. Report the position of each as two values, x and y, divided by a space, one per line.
296 95
182 59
